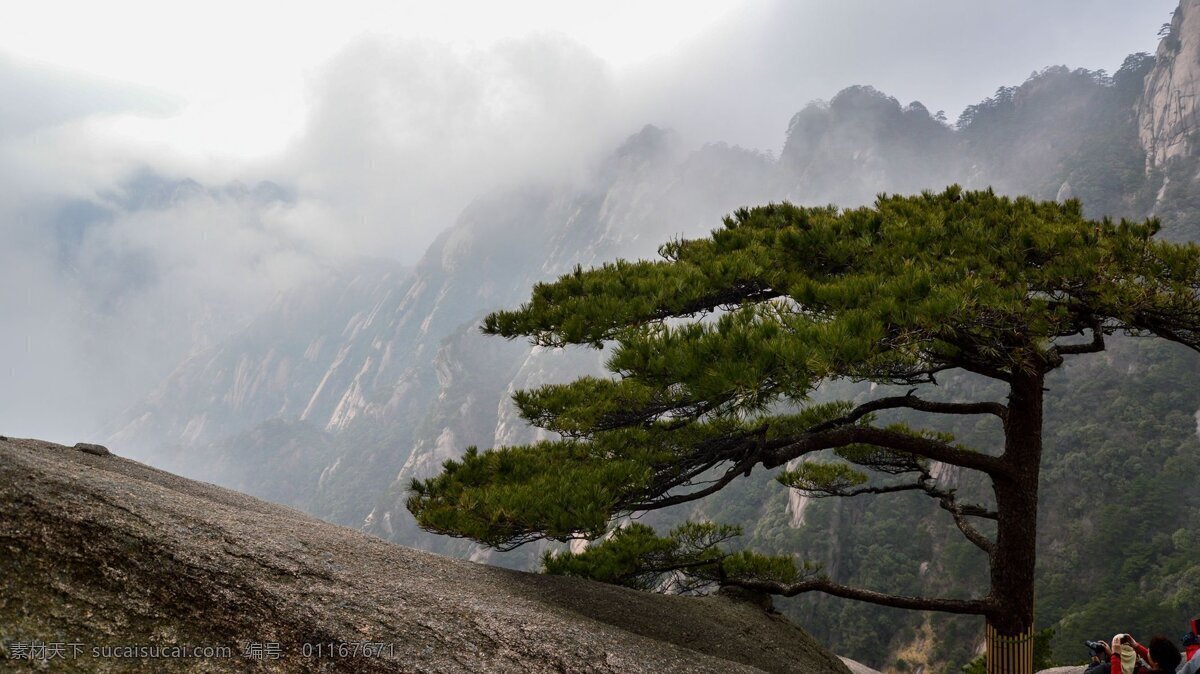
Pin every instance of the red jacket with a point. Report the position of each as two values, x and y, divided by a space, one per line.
1114 666
1144 653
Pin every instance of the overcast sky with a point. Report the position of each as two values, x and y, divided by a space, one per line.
242 71
380 120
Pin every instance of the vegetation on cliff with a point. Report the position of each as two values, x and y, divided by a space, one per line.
903 293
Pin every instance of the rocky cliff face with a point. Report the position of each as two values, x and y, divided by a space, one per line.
388 369
381 372
1169 111
346 390
97 551
298 360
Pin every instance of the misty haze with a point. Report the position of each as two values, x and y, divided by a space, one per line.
896 373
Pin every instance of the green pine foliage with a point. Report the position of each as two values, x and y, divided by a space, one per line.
635 557
1117 547
813 476
809 294
725 352
692 557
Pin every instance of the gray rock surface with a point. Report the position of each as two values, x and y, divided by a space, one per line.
105 551
858 667
93 449
1169 112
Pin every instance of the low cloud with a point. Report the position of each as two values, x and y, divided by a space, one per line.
120 263
742 82
118 256
403 133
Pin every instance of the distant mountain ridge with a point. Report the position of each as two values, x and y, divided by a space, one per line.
379 355
376 352
341 393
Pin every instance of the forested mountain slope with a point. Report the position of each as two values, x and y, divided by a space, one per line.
342 393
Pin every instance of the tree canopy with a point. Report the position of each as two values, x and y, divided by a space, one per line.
717 348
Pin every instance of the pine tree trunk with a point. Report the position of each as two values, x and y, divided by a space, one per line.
1010 626
1009 654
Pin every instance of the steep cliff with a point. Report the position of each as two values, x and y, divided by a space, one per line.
388 369
1168 122
382 374
341 394
1169 111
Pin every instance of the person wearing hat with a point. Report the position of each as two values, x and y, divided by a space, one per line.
1125 656
1120 657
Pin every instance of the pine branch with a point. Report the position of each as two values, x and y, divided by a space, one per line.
1094 346
902 376
909 401
982 368
738 470
974 510
781 450
824 584
924 483
949 504
861 491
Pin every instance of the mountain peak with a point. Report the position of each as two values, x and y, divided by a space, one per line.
1169 112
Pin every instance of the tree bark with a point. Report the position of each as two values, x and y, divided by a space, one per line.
1010 622
1009 655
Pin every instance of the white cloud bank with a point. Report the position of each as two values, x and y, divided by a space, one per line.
123 244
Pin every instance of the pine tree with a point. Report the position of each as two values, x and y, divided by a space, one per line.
718 347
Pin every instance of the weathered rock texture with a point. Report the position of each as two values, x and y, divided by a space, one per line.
104 551
1169 112
858 667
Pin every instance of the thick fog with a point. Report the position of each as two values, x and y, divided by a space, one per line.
743 81
121 252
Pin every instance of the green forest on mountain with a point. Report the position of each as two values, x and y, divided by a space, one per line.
1116 551
1118 548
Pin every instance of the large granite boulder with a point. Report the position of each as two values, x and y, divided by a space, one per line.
98 551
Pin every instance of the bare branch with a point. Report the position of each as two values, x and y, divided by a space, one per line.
912 402
891 489
781 450
824 584
982 542
973 510
1094 346
740 469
